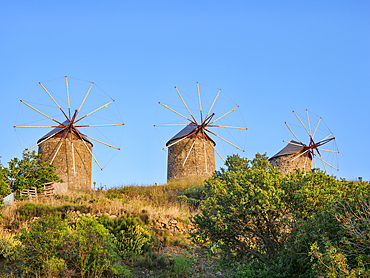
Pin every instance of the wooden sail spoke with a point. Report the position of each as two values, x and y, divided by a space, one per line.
316 128
308 120
59 145
318 155
200 105
324 162
105 105
292 143
300 155
78 111
174 143
41 113
213 103
327 150
36 126
73 156
96 161
325 138
205 154
302 123
183 164
227 126
69 107
185 105
100 142
216 151
293 133
27 150
98 125
54 100
328 164
172 125
176 112
224 115
224 140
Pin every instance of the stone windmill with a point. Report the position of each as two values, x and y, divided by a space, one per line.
299 155
65 146
191 152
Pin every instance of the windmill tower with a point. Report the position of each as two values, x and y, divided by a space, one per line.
57 147
293 156
193 156
66 146
298 155
191 152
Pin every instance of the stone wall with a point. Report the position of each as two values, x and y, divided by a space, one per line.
200 163
285 164
81 177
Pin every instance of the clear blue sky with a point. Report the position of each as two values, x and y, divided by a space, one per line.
271 57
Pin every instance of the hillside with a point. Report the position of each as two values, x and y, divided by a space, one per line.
163 209
248 220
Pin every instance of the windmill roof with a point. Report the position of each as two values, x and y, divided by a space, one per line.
185 132
56 130
290 148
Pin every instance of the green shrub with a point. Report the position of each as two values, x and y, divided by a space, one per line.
131 236
182 199
9 247
29 172
181 266
244 212
270 221
346 253
91 248
163 261
31 210
195 192
51 246
55 267
41 243
4 183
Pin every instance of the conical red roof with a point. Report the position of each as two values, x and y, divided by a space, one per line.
186 131
57 133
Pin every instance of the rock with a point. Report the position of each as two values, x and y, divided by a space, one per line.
173 221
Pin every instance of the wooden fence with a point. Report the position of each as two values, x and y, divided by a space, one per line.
48 187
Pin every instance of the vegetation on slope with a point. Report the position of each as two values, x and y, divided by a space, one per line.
248 220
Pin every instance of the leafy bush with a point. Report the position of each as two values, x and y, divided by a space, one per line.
4 183
244 212
131 236
271 221
52 247
347 255
31 210
9 246
181 266
30 172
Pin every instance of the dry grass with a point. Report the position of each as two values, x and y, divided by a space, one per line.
155 201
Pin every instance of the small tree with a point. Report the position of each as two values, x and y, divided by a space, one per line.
54 246
4 184
245 213
30 172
